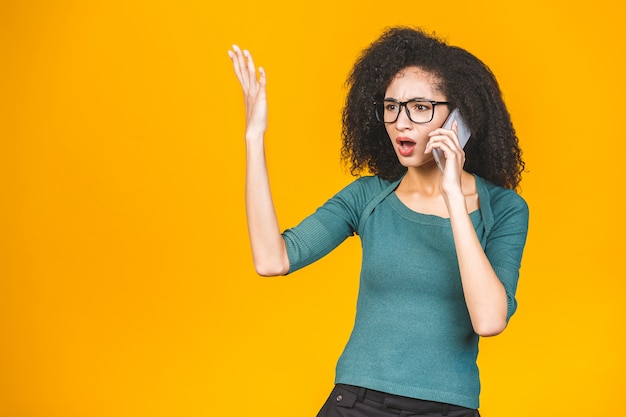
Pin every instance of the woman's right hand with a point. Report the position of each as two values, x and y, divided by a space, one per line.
253 91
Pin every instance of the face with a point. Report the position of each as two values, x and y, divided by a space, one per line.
409 139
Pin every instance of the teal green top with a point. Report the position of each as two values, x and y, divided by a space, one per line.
412 334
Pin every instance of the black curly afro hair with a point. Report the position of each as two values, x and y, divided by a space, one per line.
468 84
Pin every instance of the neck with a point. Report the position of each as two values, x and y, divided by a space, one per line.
423 180
427 181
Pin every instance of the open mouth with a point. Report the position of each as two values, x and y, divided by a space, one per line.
405 146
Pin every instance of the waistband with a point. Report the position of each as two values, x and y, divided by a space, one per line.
398 402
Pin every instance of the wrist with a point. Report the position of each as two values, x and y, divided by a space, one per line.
455 200
254 138
452 193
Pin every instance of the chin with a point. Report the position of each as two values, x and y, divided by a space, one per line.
412 162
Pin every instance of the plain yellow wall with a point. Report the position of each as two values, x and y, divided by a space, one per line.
126 283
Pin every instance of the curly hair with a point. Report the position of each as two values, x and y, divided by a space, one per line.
468 84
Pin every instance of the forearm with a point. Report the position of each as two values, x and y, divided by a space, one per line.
485 295
268 246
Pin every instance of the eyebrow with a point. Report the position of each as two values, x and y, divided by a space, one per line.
411 99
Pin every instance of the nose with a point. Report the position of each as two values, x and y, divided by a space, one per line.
403 121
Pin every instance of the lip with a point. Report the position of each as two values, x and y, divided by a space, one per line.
405 145
400 139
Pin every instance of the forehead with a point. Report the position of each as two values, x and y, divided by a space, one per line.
414 82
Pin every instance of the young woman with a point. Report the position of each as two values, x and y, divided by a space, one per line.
441 247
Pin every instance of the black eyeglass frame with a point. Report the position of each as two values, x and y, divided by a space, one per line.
406 109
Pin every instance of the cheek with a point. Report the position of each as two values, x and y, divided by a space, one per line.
440 118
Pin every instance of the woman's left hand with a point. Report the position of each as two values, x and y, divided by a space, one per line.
448 142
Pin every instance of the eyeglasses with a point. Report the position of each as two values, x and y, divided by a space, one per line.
418 110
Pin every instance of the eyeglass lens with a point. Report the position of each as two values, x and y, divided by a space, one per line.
418 111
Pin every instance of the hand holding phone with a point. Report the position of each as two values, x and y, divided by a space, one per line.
463 133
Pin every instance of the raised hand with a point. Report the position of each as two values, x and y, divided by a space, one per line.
253 90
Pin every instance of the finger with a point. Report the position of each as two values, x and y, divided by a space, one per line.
446 142
252 80
248 72
262 78
441 134
452 155
444 132
242 66
433 143
237 59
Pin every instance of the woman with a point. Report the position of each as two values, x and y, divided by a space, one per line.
441 247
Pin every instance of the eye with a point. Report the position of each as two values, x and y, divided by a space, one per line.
391 106
420 106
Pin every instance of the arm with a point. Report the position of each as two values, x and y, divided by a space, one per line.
268 246
485 295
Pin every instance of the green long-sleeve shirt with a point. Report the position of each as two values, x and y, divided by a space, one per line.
412 334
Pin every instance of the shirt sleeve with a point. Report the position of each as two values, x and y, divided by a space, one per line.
330 225
506 242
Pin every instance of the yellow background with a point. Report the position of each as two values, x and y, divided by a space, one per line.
126 283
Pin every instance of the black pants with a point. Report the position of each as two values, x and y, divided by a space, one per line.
351 401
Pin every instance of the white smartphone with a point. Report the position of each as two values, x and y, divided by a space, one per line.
463 133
